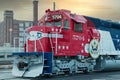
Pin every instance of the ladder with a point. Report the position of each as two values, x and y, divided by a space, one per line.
48 56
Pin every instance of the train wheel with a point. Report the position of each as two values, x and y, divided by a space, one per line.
48 75
67 72
85 71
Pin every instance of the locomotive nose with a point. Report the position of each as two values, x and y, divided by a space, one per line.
35 35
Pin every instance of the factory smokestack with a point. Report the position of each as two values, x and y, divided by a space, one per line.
54 6
35 12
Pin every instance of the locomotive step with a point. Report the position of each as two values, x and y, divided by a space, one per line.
45 59
46 66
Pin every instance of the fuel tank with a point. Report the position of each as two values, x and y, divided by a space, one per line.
103 64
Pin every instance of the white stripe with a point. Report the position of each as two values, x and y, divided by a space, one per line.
54 35
106 44
35 35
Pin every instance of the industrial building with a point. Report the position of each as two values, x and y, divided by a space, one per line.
12 30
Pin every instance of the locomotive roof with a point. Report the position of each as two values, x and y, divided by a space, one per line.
75 17
103 23
83 19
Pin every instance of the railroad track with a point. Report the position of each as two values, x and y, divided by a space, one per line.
5 64
91 76
5 74
15 79
6 61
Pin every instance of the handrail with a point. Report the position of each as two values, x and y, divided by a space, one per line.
56 44
50 37
15 38
42 50
91 33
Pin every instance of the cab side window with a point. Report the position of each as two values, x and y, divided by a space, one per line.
40 23
48 23
58 24
66 24
78 27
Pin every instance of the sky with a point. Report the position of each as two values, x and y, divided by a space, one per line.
23 9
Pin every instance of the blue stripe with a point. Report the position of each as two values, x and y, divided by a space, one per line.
27 53
112 27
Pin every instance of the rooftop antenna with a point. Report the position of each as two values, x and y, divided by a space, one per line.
54 6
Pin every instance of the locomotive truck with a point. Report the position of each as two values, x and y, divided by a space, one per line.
64 42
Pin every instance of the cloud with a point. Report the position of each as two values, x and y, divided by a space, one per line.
23 9
13 4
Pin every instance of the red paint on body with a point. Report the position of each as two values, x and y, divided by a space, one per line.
69 42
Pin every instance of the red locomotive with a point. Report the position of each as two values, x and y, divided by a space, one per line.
67 43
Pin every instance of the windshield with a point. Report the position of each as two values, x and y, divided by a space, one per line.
58 24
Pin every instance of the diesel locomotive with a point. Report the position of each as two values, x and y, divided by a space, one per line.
64 42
